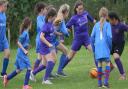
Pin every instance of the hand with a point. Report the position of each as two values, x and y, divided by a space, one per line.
50 45
94 21
57 22
26 52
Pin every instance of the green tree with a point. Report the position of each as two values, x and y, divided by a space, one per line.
18 9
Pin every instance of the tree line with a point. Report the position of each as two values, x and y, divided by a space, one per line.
18 9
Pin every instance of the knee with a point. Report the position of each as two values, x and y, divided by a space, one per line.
116 56
71 54
65 51
7 54
108 63
99 64
39 56
89 48
54 60
44 62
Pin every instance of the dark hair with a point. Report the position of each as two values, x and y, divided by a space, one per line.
113 15
49 7
25 24
51 12
78 3
39 6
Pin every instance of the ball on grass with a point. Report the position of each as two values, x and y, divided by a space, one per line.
93 73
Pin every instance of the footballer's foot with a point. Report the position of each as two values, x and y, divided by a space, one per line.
5 81
52 76
123 77
61 74
99 85
106 86
32 77
47 82
2 75
27 87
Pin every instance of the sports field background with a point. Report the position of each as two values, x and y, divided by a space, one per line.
77 70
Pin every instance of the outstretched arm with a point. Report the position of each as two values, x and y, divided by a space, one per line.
124 27
91 18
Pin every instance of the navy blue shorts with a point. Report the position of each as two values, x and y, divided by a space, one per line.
76 44
118 48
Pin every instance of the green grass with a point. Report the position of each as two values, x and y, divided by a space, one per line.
77 70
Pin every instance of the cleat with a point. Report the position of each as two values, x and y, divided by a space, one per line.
123 77
5 81
61 74
27 87
32 77
47 82
52 76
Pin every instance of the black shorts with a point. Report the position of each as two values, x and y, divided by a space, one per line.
118 48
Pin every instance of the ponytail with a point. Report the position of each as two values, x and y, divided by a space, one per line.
103 14
51 12
25 24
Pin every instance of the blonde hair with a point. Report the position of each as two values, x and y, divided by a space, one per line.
63 8
103 14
